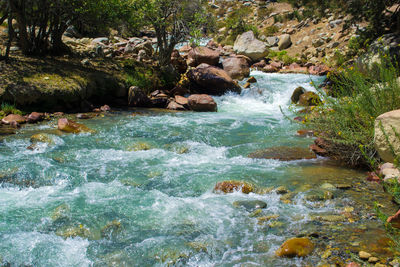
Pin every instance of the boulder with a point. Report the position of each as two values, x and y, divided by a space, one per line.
297 93
259 65
41 138
172 105
137 97
284 42
272 41
201 55
247 44
202 102
178 62
270 69
387 126
295 247
35 117
283 153
318 70
233 186
309 99
211 80
181 100
294 68
70 126
13 118
236 67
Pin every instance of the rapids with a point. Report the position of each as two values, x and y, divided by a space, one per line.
139 191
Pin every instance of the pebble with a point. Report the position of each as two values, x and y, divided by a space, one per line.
373 260
364 255
343 186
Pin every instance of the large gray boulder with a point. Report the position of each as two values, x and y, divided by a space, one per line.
387 126
247 44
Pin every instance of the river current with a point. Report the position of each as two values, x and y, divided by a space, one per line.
139 191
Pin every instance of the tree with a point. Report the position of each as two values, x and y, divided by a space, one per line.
174 21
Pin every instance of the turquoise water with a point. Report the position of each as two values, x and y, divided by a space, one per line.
161 199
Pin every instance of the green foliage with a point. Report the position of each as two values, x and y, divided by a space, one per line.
9 109
270 30
347 121
263 13
236 22
282 56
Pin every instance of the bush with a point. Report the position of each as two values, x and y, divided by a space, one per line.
347 121
9 109
270 31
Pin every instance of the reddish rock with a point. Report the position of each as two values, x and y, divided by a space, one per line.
201 55
373 177
395 220
97 110
318 70
233 186
83 116
236 67
181 100
305 133
353 264
270 69
172 105
259 65
185 49
276 64
35 117
211 80
295 247
294 68
58 114
211 44
105 108
11 118
70 126
320 147
202 103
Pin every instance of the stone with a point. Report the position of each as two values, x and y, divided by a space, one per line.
178 62
80 231
319 70
259 65
252 80
272 41
247 85
353 264
105 108
172 105
247 44
294 68
343 186
309 99
233 186
70 126
373 260
297 93
317 42
202 102
13 118
181 100
250 205
394 220
211 80
295 247
281 190
387 126
201 55
284 42
41 138
61 213
328 186
270 69
283 153
364 255
35 117
111 229
83 116
137 97
237 67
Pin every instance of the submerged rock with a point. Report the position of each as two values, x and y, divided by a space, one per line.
233 186
283 153
295 247
70 126
250 205
61 213
41 138
111 229
80 231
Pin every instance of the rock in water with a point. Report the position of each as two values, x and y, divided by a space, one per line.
250 205
41 138
283 153
211 80
202 103
233 186
70 126
390 123
9 119
309 99
295 247
297 93
236 67
247 44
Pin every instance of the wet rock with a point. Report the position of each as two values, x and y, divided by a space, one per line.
328 186
83 116
111 229
373 260
328 218
247 44
35 117
252 80
237 67
211 80
309 99
70 126
270 69
283 153
41 138
343 186
281 190
172 105
297 93
318 195
61 213
250 205
13 118
364 255
137 97
181 100
294 68
265 219
202 103
201 55
80 231
6 130
295 247
140 146
287 198
233 186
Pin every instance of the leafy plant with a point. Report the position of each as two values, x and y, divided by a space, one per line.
9 109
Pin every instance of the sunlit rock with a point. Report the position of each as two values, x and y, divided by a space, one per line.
295 247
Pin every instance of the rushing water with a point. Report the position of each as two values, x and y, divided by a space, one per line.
149 175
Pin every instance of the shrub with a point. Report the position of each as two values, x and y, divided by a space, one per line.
347 121
270 31
9 109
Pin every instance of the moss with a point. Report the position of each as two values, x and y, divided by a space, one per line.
50 81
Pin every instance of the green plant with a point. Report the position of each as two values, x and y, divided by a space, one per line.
9 109
361 95
270 30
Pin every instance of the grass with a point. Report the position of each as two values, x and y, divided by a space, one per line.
347 120
6 109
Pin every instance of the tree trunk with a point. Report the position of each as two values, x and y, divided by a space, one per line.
19 11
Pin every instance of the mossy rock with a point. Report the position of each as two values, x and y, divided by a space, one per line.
41 138
140 146
297 93
61 213
111 229
295 247
233 186
309 99
69 232
283 153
